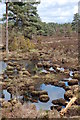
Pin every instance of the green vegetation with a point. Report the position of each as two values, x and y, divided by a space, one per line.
23 17
20 43
75 22
24 23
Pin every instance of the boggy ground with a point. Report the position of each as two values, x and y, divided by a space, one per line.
53 52
60 50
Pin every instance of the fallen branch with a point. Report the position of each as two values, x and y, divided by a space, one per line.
64 110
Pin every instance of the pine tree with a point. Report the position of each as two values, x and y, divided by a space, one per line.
76 19
23 17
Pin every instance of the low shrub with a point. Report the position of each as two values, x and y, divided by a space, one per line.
19 43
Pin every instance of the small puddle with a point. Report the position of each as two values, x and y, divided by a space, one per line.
67 79
3 66
71 73
66 83
7 95
62 69
53 93
52 69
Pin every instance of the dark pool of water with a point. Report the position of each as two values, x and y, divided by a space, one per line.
53 93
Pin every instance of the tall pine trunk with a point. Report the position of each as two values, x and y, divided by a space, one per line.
7 50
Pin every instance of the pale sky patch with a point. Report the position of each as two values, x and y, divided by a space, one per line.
53 10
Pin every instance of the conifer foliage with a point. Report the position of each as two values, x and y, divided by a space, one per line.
23 17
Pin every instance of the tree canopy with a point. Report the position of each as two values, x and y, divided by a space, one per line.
23 16
75 22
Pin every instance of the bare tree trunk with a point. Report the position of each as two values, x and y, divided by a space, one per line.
7 27
64 110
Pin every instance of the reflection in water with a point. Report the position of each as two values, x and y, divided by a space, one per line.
53 93
31 67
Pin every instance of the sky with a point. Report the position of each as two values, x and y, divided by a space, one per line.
2 9
58 11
